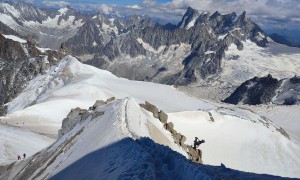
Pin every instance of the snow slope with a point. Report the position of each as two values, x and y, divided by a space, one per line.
238 138
287 117
16 141
101 147
48 98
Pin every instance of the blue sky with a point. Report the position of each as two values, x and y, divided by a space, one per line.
280 14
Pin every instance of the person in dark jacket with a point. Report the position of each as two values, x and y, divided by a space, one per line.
24 155
197 142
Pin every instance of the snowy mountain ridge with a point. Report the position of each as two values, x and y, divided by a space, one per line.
191 117
135 158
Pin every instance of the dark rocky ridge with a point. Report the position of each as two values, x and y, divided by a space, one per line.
267 90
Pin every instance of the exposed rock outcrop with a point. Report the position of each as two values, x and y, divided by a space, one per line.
267 90
150 107
194 154
77 116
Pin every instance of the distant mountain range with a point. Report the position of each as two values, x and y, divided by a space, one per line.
282 40
203 49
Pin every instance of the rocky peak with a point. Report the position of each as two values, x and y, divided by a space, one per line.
242 20
101 18
266 90
215 15
190 15
222 23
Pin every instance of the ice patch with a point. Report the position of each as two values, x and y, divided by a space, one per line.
221 37
43 50
15 38
210 52
150 48
191 24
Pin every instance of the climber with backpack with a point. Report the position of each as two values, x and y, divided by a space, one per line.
197 142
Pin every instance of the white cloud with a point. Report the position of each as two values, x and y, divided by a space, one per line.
134 7
105 8
56 3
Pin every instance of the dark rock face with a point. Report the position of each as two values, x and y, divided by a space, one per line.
19 63
189 15
267 90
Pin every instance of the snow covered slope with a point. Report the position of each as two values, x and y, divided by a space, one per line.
241 140
238 138
101 147
48 98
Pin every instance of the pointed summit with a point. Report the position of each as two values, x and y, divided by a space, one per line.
190 15
242 19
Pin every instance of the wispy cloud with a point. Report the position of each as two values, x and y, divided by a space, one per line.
56 3
105 8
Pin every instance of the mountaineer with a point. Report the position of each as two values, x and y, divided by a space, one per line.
197 142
